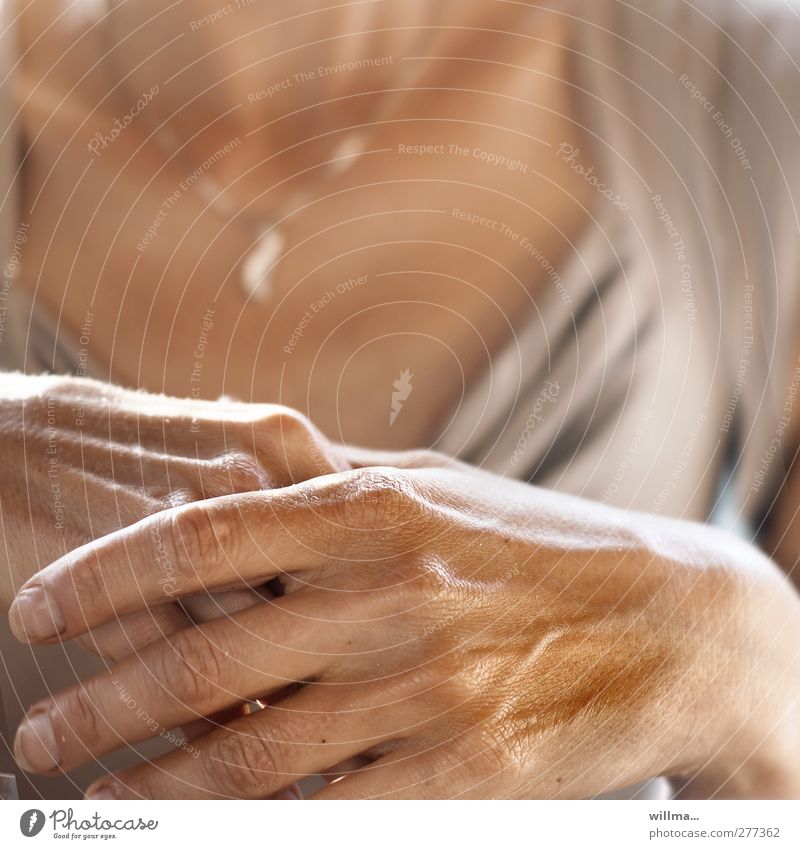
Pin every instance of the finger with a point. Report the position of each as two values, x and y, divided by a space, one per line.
422 458
199 671
205 606
259 755
200 727
444 764
131 632
149 563
217 543
343 768
293 450
401 775
118 639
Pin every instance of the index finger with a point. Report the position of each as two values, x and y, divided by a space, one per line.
207 545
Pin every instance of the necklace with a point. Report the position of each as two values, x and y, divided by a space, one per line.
267 236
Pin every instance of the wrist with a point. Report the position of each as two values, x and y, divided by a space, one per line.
743 723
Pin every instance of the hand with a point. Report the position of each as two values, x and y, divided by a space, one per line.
443 633
82 459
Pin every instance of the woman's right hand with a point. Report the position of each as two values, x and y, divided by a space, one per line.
82 459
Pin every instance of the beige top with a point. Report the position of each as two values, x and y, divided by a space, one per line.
666 348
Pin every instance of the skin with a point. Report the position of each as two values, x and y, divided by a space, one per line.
460 634
453 290
118 456
455 633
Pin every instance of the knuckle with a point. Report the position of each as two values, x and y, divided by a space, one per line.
78 712
384 494
436 580
422 585
500 751
191 669
195 541
295 446
87 578
239 471
245 765
291 423
283 424
145 784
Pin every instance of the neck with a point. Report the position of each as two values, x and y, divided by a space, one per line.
265 59
278 74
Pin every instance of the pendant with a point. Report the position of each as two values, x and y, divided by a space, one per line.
259 265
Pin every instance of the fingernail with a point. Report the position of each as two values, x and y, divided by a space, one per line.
35 746
34 615
102 791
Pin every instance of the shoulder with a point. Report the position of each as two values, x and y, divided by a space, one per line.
49 72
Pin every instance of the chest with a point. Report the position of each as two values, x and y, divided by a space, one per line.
148 219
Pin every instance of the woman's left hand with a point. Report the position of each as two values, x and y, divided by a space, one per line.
443 632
